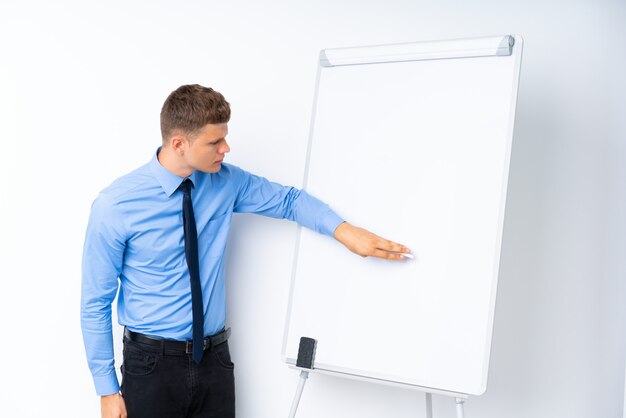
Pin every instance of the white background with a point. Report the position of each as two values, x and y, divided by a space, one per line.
81 86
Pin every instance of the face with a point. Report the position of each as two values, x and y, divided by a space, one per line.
205 151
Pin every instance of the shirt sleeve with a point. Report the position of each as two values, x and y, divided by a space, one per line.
258 195
103 253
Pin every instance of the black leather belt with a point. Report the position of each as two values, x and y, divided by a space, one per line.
183 346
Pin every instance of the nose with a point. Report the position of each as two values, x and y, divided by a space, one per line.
225 148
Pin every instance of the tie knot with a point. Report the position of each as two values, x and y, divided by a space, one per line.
186 186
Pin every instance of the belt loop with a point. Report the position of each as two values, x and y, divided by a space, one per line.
162 348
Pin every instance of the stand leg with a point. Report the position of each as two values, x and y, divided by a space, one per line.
460 413
429 405
296 399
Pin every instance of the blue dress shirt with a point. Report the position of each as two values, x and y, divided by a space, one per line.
135 234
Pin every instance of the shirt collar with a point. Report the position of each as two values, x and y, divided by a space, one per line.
168 180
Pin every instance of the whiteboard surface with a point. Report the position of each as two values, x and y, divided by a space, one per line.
417 152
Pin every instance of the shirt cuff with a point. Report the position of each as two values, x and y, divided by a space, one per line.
106 385
329 223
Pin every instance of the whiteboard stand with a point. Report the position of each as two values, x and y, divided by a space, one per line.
439 114
429 405
460 413
304 375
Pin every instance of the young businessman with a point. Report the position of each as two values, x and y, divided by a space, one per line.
161 230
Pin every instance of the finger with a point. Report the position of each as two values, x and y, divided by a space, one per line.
386 255
387 245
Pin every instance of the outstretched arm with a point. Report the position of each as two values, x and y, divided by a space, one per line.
364 243
258 195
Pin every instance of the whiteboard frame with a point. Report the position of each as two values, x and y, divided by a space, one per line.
428 50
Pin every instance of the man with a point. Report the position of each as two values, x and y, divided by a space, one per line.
162 231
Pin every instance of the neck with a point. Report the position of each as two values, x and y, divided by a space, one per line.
173 162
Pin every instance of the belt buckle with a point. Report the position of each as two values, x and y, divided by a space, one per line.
188 347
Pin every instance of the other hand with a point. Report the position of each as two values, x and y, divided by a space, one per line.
113 406
364 243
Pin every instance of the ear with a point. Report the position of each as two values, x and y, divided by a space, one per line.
179 144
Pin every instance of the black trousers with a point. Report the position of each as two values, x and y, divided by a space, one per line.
159 383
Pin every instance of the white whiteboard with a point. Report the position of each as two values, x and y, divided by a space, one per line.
412 142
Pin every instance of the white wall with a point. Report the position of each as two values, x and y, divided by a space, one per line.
81 85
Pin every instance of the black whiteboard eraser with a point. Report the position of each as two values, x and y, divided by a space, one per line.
306 352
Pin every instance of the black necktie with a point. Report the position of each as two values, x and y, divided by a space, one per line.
191 253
